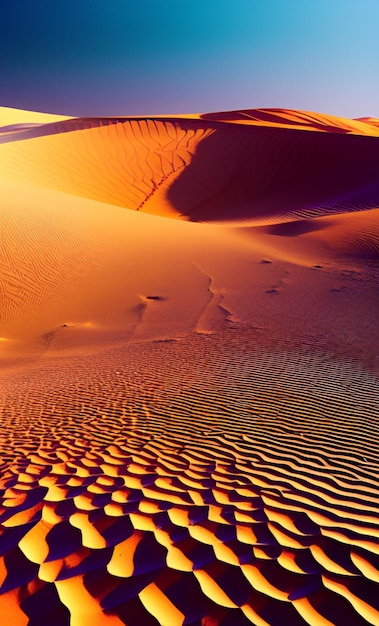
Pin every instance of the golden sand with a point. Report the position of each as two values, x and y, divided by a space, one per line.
262 166
189 410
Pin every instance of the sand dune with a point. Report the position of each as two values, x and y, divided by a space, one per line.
9 116
302 120
189 410
258 165
353 235
373 121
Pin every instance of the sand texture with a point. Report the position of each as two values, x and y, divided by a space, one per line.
260 165
189 406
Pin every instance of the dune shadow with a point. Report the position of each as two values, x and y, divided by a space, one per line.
240 173
292 229
19 132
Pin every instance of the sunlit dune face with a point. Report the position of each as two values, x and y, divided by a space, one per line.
10 116
302 120
262 165
144 154
189 410
372 121
93 280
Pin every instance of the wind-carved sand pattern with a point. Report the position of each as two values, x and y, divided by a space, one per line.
141 155
181 492
26 252
269 166
188 411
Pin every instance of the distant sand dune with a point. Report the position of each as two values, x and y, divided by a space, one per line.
304 120
20 116
262 166
373 121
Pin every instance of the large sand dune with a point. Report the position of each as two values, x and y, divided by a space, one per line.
189 410
256 165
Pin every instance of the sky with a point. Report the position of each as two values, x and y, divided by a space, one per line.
146 57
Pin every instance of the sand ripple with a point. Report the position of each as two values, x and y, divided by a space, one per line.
189 414
161 490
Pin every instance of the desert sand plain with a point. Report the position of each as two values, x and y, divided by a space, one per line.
188 384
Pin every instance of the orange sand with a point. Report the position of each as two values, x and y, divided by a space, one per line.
263 166
189 410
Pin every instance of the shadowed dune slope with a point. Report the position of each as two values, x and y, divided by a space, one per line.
354 235
263 166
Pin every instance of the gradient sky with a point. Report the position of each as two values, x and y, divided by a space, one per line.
137 57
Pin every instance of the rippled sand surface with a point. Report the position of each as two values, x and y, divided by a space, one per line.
189 411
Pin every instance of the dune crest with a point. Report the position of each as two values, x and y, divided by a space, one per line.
20 116
301 120
262 166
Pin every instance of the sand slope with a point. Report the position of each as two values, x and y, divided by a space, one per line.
189 410
258 165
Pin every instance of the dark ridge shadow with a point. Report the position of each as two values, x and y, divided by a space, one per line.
56 128
292 229
85 123
245 172
44 608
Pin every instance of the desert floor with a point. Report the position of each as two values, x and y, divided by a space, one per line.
189 410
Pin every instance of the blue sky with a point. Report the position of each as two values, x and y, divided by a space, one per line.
137 57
